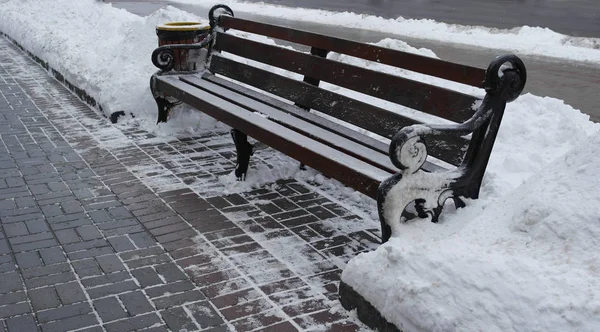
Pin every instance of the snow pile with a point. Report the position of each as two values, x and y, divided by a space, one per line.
101 49
529 262
523 40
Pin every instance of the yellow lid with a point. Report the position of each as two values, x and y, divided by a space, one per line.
183 26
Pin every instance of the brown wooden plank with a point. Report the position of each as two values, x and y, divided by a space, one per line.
363 115
306 128
448 70
314 119
352 172
435 100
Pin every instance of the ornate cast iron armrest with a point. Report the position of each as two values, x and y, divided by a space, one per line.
163 58
504 82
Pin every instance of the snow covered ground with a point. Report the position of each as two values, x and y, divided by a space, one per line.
519 258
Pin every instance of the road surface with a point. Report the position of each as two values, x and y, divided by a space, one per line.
574 82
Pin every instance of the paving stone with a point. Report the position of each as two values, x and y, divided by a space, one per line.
136 303
177 287
146 277
177 319
37 226
14 309
70 323
205 314
30 238
34 245
170 272
15 229
109 309
94 252
134 323
43 298
67 236
112 289
87 268
27 260
70 293
11 282
50 280
83 245
110 263
106 279
25 323
178 299
142 240
11 298
121 243
52 255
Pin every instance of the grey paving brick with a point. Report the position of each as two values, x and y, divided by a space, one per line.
29 259
63 312
11 282
71 207
146 277
4 248
134 323
66 236
43 298
172 288
35 245
177 319
109 309
52 210
136 303
120 213
205 314
14 309
70 292
50 280
23 202
87 268
11 298
110 263
25 323
112 289
31 238
100 216
7 204
37 226
128 230
170 272
83 245
141 253
178 299
90 253
115 224
15 229
121 243
52 255
70 324
46 270
106 279
89 232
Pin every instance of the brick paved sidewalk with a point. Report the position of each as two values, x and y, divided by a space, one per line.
104 228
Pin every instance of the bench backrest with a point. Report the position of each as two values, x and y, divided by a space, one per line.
315 67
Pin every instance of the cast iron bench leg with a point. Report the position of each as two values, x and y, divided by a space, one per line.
163 109
244 150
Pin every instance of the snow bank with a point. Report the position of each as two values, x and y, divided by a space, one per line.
523 40
529 262
103 50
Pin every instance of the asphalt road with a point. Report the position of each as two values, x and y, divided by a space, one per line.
574 82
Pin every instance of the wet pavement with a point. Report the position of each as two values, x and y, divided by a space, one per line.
574 82
108 228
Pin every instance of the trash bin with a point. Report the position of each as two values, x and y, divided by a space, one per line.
182 33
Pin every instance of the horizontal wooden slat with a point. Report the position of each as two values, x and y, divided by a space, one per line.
430 66
353 172
314 119
323 135
363 115
438 101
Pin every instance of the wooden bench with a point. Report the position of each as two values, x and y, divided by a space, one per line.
302 120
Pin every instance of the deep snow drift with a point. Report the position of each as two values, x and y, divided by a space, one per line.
529 262
506 261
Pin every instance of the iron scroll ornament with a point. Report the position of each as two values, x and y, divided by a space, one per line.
213 19
505 79
427 192
164 59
